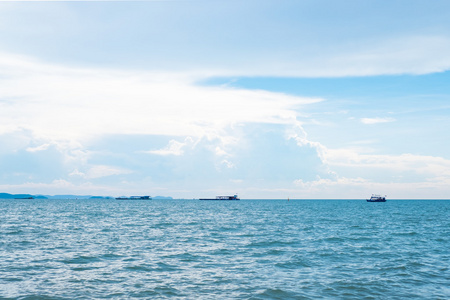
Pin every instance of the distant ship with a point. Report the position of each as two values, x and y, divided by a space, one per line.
376 198
134 198
25 198
222 198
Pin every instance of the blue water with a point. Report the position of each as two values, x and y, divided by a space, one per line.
249 249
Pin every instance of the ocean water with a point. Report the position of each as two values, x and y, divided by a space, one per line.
249 249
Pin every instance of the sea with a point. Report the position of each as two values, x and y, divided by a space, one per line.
248 249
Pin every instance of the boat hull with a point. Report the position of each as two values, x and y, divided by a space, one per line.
135 198
213 199
376 198
222 198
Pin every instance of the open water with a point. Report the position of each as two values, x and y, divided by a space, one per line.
249 249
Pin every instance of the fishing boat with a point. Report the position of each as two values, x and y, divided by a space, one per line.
134 198
223 198
376 198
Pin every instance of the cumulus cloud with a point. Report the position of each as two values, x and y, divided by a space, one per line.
173 148
404 175
72 108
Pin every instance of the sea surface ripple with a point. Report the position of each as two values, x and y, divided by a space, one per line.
249 249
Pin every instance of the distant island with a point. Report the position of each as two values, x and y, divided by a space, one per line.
75 197
20 196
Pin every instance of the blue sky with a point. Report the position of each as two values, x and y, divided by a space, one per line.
268 99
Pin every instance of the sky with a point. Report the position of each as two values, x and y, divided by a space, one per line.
189 99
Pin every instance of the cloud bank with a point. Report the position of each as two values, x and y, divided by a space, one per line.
109 131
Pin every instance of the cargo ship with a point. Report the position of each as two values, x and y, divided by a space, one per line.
376 198
223 198
134 198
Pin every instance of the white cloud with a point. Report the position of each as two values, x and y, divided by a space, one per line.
376 120
60 103
173 148
320 183
402 176
408 54
359 188
38 148
228 164
420 164
62 106
103 171
364 56
60 186
77 173
320 40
